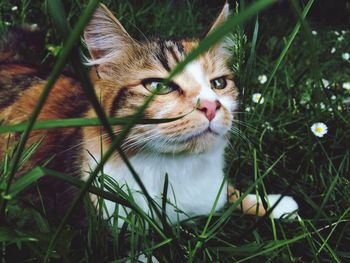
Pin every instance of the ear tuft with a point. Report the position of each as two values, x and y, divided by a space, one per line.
105 37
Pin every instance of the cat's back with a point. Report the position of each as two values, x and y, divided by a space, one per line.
20 89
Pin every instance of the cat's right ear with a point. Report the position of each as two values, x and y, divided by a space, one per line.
105 37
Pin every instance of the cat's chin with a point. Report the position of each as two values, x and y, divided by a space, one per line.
193 144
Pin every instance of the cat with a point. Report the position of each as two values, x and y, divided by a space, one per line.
124 72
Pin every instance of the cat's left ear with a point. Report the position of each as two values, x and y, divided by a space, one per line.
105 37
224 46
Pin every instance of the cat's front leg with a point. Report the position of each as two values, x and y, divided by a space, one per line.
252 204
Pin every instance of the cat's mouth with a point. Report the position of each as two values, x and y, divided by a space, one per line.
208 132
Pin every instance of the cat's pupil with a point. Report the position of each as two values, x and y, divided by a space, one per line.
157 86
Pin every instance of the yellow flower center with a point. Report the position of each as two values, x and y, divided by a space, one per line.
319 129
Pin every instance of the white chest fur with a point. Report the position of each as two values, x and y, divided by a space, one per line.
194 181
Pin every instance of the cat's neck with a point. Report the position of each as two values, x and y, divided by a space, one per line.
194 179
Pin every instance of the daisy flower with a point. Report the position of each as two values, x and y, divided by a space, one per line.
14 8
319 129
314 32
258 98
262 79
325 83
345 56
346 85
341 38
333 50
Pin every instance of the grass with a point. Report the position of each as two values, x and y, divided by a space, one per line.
273 151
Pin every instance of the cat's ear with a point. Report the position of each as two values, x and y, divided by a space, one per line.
220 18
105 37
224 46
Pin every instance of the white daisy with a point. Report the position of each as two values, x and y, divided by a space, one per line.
319 129
341 38
333 50
325 83
247 109
346 85
314 32
268 126
345 56
258 98
333 97
262 79
14 8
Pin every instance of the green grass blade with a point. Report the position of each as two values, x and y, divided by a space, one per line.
80 122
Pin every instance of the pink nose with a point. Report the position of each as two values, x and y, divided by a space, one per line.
209 108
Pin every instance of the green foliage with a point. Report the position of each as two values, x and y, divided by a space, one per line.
272 147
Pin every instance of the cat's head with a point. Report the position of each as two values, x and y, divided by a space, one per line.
127 71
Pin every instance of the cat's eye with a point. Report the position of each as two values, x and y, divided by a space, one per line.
159 86
218 83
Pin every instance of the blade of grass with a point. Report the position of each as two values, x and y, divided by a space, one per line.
251 59
325 244
164 198
203 235
81 122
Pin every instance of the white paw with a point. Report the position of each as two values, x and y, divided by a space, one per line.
285 207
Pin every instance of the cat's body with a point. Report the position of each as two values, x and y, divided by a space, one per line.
190 150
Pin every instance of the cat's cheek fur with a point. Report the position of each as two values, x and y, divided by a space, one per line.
194 181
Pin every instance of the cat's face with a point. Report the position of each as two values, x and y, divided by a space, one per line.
128 71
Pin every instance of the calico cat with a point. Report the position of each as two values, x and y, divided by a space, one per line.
189 150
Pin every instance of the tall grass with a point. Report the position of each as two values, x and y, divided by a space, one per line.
273 150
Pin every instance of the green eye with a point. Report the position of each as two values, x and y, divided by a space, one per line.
219 83
158 86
